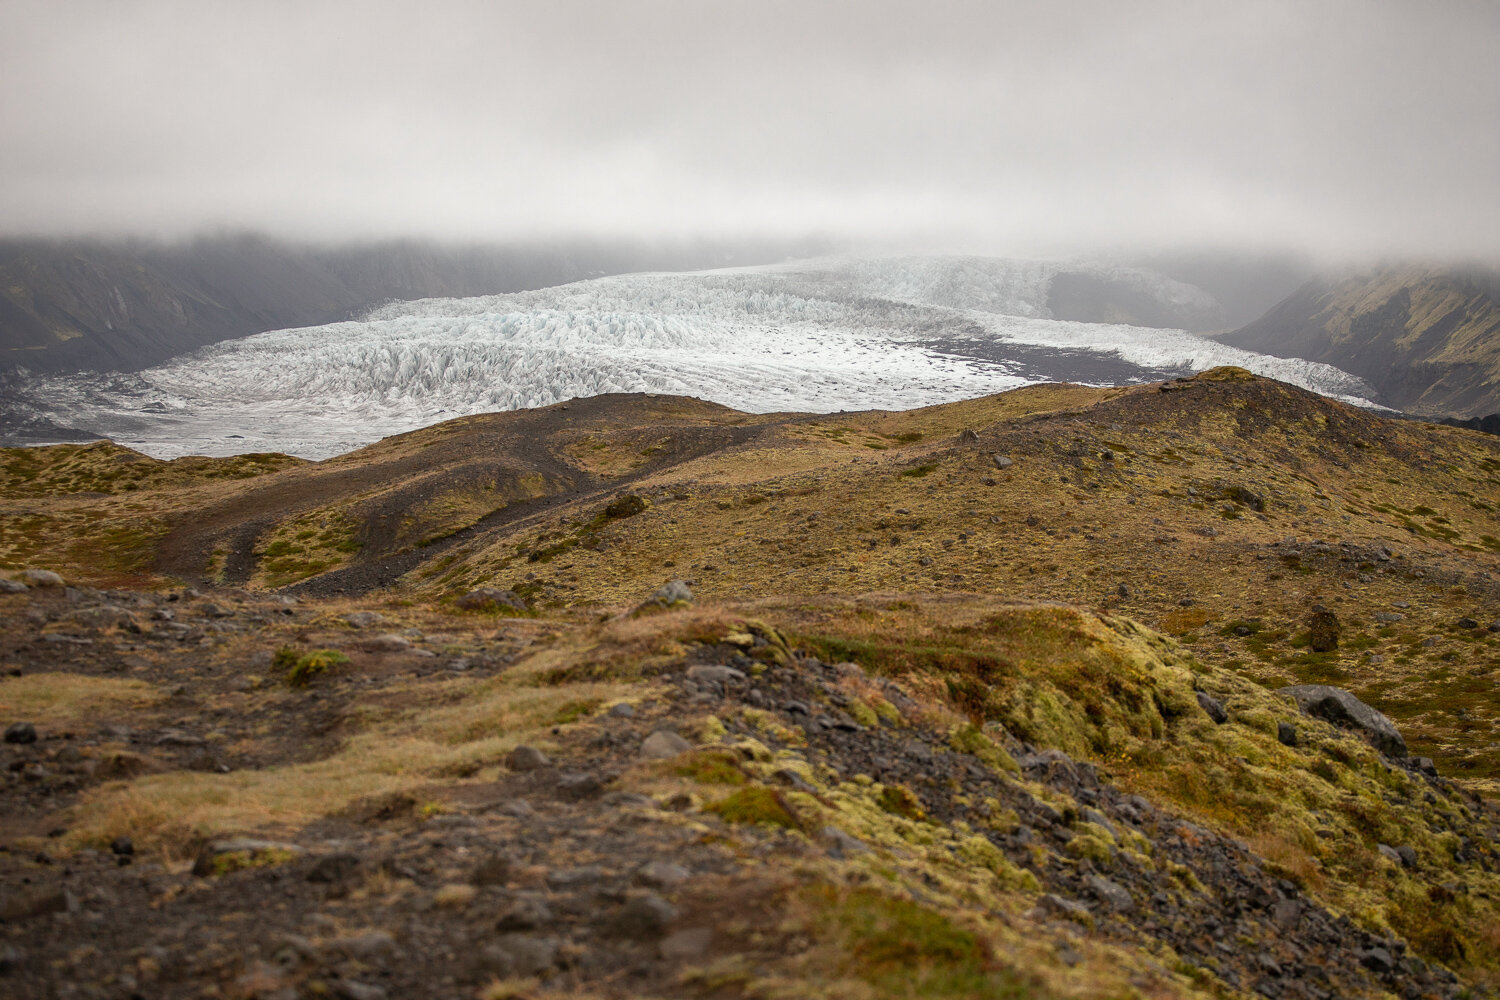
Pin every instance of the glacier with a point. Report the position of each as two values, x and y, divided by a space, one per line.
825 335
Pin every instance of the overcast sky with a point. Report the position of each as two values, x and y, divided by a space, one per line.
1342 127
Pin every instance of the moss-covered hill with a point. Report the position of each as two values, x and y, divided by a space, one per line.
945 698
1217 509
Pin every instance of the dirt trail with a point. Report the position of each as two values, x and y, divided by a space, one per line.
401 473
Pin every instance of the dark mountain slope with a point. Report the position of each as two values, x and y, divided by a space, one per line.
1427 339
75 305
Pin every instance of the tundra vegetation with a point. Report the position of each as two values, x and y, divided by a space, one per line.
980 700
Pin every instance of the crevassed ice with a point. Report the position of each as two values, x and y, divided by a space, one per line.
820 336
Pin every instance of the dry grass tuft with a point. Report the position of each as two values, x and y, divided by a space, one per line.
73 699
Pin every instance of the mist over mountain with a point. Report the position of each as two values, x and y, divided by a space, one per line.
125 305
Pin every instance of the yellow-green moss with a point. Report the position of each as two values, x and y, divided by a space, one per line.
755 804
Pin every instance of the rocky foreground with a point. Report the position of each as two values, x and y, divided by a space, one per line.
242 795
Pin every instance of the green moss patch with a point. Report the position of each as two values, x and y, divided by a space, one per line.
755 804
903 949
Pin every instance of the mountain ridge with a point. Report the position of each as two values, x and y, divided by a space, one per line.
1427 338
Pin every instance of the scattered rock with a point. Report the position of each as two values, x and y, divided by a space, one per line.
624 710
12 586
520 955
1389 853
1249 498
572 878
1213 707
1115 895
675 594
122 847
20 732
364 619
1286 734
641 918
1323 630
661 875
371 947
38 903
1467 623
1002 461
1055 906
1377 960
333 868
579 785
388 643
525 913
494 869
490 599
686 945
349 989
526 758
1408 855
1341 708
219 857
705 673
625 505
663 745
42 578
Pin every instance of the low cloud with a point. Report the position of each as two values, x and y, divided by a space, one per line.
1340 127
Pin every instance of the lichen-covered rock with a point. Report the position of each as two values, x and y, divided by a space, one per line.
20 732
490 599
1213 707
42 578
1248 497
526 758
1341 708
1323 630
663 744
219 857
675 594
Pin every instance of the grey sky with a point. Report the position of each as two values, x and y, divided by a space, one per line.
1344 127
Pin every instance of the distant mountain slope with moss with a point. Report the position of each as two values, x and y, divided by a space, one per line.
1428 339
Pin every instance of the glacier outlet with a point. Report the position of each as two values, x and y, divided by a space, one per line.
815 336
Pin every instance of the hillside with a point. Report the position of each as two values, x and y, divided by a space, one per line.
1428 340
126 306
974 700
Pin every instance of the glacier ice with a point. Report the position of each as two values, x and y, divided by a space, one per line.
815 335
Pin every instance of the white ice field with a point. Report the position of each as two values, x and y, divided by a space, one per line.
812 336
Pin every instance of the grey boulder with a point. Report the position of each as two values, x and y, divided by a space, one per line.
663 745
1342 709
